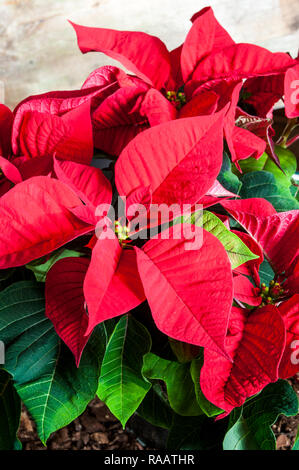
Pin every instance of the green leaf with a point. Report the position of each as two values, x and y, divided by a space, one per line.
155 409
237 251
227 178
206 406
252 164
10 411
288 163
53 389
179 384
266 272
196 433
296 443
122 386
40 268
263 184
252 427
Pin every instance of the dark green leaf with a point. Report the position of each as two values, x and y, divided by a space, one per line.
179 384
53 389
263 184
227 178
196 433
10 411
155 409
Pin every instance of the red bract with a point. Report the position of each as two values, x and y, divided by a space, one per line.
273 231
205 39
263 92
65 302
277 235
116 275
255 342
242 61
115 103
6 120
68 137
189 291
36 219
41 137
182 171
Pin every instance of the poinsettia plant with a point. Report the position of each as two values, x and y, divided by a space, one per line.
149 244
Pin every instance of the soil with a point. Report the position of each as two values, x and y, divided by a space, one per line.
285 429
98 429
95 429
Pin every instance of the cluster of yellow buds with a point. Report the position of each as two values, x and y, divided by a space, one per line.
122 232
272 293
177 98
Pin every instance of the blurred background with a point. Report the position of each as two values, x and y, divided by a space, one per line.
38 50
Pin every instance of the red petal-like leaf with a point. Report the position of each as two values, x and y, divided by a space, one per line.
246 144
68 137
65 302
104 76
89 183
178 160
36 219
201 103
292 283
176 80
256 340
245 291
263 92
6 120
112 285
118 119
57 103
10 171
189 289
277 234
156 108
242 61
145 55
289 311
205 35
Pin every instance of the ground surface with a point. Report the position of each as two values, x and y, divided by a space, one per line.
95 429
98 429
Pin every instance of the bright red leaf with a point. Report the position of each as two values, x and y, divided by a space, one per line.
65 302
178 161
255 341
68 137
188 290
36 219
143 54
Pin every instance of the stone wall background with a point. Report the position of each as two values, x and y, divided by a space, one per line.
38 50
